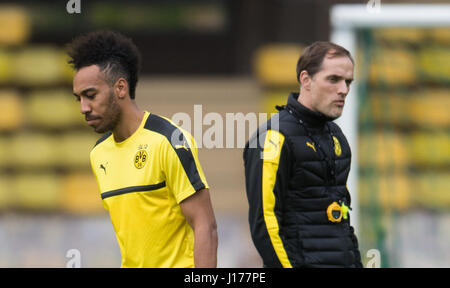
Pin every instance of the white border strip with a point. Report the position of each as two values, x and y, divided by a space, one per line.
358 16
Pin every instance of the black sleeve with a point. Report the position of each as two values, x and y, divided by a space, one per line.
266 179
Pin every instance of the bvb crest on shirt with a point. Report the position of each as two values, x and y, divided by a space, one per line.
140 159
337 147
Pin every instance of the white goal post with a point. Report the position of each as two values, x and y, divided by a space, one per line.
345 20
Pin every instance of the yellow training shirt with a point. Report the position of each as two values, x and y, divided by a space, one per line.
142 181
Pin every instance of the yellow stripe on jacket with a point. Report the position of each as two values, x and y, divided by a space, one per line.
271 158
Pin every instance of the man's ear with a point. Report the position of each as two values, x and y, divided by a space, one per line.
305 80
121 88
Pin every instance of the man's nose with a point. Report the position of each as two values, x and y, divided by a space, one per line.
85 106
343 88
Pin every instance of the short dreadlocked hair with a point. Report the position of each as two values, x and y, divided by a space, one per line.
116 55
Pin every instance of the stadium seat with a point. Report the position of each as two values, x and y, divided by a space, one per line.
429 108
275 64
431 191
67 72
392 67
383 150
15 25
53 109
33 150
6 66
391 191
274 97
430 149
439 35
80 194
5 152
425 108
38 65
6 192
434 63
11 110
399 36
37 191
73 149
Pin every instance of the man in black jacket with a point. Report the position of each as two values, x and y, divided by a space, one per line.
296 169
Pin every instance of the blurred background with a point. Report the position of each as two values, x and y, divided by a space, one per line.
229 56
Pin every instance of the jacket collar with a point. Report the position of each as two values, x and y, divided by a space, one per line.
308 116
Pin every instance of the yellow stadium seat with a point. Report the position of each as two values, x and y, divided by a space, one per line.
5 151
395 191
37 191
6 192
430 149
425 108
275 64
431 191
400 191
391 191
6 66
41 65
67 71
80 194
440 35
33 150
11 110
435 62
14 25
388 108
73 149
393 67
430 108
399 150
272 98
53 109
399 35
383 150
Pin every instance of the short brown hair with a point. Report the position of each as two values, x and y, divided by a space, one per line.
313 55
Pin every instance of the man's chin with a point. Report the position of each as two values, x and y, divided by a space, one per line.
335 114
100 130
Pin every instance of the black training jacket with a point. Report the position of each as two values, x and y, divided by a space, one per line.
296 169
